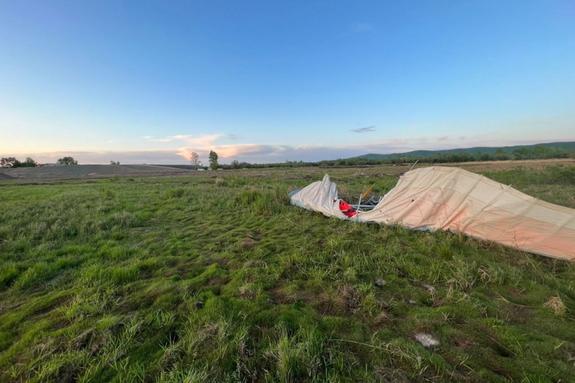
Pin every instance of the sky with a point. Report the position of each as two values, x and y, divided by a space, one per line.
270 81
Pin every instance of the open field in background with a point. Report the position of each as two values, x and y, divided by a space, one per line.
48 174
52 173
215 277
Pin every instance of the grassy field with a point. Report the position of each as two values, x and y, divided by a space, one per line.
85 172
215 277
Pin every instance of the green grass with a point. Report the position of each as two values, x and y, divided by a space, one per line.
215 277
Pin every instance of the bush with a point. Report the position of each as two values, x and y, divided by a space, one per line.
11 162
67 161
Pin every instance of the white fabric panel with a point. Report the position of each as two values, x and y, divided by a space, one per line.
320 196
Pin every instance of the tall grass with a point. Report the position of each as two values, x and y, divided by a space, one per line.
194 279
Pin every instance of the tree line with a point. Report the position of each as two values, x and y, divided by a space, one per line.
524 153
537 152
13 162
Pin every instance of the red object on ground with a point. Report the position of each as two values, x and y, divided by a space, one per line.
347 209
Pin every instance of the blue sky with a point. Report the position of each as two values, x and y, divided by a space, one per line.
144 81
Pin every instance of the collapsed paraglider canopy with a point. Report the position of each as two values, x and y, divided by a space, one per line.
446 198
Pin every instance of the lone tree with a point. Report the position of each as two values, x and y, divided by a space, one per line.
195 159
213 160
29 163
67 161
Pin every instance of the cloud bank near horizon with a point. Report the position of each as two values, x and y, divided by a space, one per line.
181 146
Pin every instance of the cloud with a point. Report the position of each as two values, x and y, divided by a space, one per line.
230 151
366 129
201 141
203 144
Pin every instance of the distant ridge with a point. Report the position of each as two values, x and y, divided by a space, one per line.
568 147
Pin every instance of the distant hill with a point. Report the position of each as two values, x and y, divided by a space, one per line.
516 150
